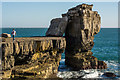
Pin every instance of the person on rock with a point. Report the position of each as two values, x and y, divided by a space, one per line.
13 33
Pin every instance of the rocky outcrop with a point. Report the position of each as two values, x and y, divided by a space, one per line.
39 57
31 57
5 35
82 25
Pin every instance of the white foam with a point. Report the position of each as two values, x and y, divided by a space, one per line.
62 60
81 74
112 63
92 73
70 74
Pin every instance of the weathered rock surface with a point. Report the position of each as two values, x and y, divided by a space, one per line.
82 25
109 74
39 57
5 35
57 27
31 57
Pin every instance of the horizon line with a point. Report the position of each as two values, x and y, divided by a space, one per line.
48 27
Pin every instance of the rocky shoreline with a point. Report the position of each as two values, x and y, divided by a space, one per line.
39 57
31 57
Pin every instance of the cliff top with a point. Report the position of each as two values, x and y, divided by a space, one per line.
30 38
82 6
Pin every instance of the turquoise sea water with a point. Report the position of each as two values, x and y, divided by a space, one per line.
105 47
26 32
106 44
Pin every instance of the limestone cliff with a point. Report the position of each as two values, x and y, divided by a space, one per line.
36 57
39 57
81 26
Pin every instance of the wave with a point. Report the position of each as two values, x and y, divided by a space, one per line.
113 66
91 73
64 71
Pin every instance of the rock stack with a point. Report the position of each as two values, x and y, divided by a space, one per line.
80 24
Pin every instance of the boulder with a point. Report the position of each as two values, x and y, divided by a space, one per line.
109 74
6 35
57 27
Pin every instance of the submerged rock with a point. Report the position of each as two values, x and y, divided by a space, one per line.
109 74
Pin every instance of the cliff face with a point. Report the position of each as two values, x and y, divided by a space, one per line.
82 25
31 57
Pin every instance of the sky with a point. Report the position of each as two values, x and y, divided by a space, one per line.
39 14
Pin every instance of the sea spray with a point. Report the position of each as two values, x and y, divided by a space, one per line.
66 72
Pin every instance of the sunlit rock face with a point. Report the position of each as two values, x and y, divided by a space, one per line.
31 57
83 24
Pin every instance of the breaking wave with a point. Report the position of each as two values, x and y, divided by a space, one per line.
65 71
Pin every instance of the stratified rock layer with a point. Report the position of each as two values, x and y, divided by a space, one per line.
39 57
36 57
82 25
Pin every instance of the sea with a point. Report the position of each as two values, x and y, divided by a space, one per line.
106 48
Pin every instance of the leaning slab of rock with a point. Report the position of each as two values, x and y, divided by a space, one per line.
57 27
6 35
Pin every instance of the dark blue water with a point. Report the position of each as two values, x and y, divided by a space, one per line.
26 32
106 44
105 47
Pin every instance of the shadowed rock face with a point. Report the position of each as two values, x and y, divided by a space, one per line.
57 27
82 25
